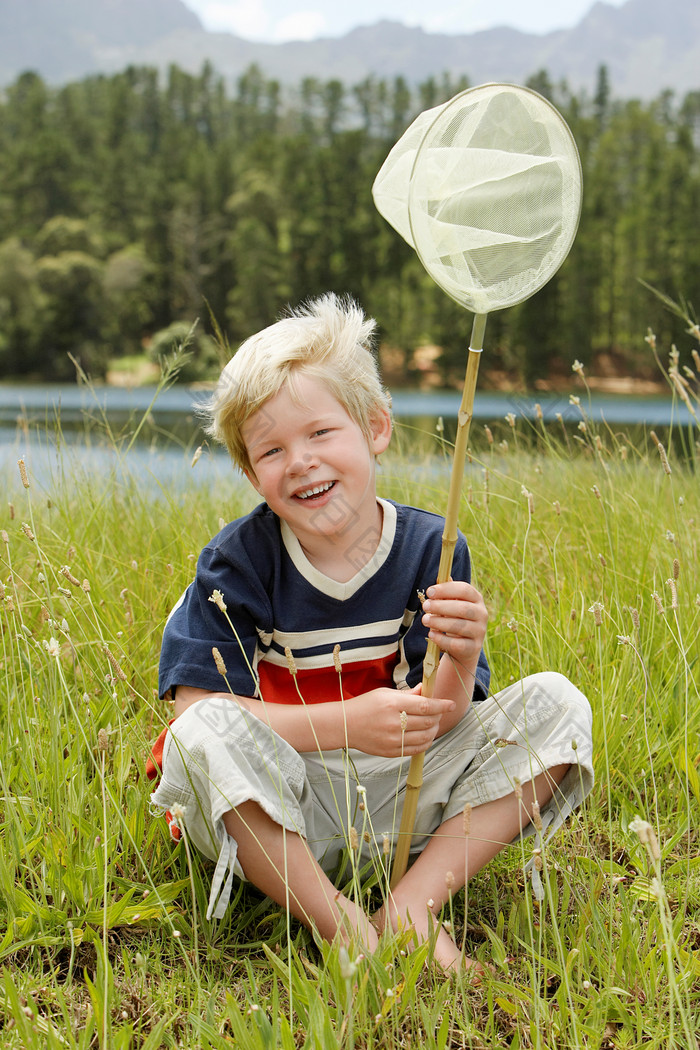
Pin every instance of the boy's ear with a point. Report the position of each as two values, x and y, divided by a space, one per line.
381 432
253 480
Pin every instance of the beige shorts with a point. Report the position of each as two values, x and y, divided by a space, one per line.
217 755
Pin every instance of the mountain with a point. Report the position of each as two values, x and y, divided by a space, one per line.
646 46
65 39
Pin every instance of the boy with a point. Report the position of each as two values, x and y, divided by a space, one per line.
294 661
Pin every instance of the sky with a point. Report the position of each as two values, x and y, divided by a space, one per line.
274 21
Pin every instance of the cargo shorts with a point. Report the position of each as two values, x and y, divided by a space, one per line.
218 755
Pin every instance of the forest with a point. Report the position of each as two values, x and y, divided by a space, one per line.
133 205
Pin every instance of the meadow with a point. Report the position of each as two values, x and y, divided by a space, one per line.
586 547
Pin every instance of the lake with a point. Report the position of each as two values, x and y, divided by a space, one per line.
42 423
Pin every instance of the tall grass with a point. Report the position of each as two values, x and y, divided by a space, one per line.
586 548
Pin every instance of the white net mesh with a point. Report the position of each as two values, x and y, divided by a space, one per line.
487 189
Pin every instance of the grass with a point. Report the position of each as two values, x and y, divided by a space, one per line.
586 547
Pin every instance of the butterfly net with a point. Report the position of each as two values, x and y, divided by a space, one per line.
487 189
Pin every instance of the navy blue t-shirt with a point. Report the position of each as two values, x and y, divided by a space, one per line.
343 637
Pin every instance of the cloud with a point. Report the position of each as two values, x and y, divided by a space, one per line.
301 25
248 18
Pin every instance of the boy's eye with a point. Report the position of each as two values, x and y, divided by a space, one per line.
269 452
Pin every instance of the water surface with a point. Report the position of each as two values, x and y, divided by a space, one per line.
95 428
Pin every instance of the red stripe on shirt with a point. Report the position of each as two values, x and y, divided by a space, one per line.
318 685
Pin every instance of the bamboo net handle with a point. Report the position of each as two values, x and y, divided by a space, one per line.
414 780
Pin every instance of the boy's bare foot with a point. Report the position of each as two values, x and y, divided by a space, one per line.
446 953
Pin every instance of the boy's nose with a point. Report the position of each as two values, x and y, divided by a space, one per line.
301 463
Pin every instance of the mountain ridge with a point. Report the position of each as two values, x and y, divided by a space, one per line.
646 48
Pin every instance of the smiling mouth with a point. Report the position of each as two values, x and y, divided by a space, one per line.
315 491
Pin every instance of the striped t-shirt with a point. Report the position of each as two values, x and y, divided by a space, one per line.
349 637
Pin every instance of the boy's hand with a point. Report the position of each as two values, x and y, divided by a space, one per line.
456 617
394 722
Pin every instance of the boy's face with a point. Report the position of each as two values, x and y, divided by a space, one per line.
312 464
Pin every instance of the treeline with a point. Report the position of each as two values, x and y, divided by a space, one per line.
130 205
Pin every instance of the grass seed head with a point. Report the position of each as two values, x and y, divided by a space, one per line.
467 818
674 593
219 661
65 571
116 667
353 838
646 835
23 473
291 663
27 531
336 659
218 599
676 568
664 458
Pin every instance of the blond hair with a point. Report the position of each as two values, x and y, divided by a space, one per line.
328 339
